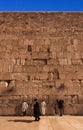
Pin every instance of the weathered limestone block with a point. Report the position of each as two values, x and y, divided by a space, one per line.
61 89
22 55
63 61
52 67
52 45
81 56
76 62
50 76
68 83
52 62
15 47
28 42
1 65
11 69
61 55
81 99
81 83
38 41
53 55
43 76
23 61
19 76
15 55
38 48
69 61
29 88
35 55
43 55
75 99
35 90
80 47
3 46
5 76
39 62
45 90
75 44
18 61
31 91
20 88
28 62
77 56
47 41
9 47
2 55
76 83
82 90
70 48
40 67
46 48
29 69
62 75
68 99
78 75
48 83
45 68
58 83
13 61
17 69
37 83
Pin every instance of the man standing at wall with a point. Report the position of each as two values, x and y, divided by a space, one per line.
24 108
60 106
36 110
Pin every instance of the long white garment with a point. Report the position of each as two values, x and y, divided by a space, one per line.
43 107
24 106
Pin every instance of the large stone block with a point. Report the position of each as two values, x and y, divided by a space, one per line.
19 76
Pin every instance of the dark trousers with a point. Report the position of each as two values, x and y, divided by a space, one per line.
24 113
61 111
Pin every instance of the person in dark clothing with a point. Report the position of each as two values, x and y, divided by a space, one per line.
36 110
61 106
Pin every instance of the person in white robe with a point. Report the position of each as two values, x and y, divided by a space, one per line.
43 107
24 108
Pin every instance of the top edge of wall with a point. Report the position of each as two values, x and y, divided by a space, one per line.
41 11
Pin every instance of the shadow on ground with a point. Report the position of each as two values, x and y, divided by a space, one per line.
25 121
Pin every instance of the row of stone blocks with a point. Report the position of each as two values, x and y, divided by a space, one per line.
12 105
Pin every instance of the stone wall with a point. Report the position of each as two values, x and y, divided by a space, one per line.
41 55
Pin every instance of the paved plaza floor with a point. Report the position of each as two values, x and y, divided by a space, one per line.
65 122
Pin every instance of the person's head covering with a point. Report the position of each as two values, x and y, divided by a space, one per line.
35 99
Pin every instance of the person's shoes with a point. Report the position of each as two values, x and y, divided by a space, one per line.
35 120
38 118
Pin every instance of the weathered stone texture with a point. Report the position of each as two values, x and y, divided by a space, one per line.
41 55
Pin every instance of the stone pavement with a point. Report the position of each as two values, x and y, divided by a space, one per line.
65 122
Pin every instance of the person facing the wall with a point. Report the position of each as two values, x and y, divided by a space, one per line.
36 110
24 108
43 107
60 106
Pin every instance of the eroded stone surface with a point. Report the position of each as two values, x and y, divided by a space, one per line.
41 55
